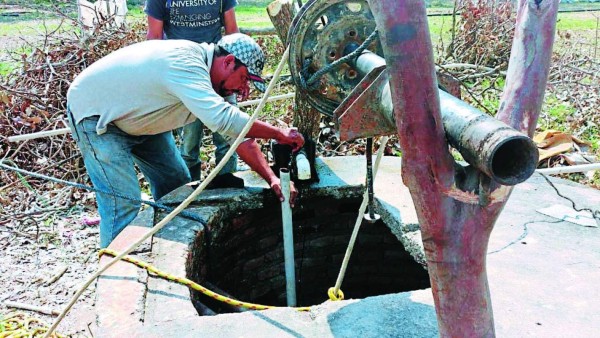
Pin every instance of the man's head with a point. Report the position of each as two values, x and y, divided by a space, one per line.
237 60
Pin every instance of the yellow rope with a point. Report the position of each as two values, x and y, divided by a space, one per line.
332 294
191 284
18 324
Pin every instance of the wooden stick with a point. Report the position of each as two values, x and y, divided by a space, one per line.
57 275
40 309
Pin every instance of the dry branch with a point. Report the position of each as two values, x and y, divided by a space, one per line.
33 99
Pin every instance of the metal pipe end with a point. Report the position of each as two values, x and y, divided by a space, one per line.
514 160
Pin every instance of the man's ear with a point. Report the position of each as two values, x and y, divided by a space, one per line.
229 61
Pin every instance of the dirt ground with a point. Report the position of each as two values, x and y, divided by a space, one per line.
45 257
45 268
17 25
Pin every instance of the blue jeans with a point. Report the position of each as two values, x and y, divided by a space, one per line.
109 159
190 150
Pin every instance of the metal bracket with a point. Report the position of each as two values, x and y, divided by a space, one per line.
360 114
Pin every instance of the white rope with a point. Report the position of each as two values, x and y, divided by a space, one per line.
359 219
183 204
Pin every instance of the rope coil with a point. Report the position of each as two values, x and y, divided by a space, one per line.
331 292
18 324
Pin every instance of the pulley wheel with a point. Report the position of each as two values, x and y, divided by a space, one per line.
321 33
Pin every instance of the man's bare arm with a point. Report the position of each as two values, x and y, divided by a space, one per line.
230 22
155 29
249 152
284 136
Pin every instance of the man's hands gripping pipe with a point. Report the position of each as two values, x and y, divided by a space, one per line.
249 152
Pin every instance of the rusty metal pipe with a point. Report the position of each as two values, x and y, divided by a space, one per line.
504 154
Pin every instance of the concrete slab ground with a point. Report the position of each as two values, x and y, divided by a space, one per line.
543 274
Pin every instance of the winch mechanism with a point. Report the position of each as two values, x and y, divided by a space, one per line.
336 60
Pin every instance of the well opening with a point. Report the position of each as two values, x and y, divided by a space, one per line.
242 256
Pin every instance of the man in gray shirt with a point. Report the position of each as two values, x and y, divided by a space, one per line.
123 107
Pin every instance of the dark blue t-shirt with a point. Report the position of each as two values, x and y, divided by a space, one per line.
195 20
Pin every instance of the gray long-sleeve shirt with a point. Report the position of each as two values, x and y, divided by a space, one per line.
152 87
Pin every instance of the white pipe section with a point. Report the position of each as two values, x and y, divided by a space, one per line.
67 130
569 169
288 238
303 166
39 134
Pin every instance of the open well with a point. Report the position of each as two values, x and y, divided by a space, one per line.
241 256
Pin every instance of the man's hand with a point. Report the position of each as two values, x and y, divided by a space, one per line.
249 151
243 94
276 186
293 138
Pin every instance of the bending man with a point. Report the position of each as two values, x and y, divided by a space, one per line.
124 106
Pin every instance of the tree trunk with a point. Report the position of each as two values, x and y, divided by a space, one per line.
282 12
306 118
456 224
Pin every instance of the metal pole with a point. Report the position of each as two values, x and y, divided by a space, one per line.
581 168
288 238
504 154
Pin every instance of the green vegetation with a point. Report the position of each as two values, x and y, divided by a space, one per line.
135 11
556 113
252 16
440 30
7 67
27 28
576 21
490 98
439 3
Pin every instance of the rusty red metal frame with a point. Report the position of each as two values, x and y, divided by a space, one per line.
456 222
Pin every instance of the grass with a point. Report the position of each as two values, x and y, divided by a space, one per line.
27 28
250 16
555 114
440 29
577 21
7 67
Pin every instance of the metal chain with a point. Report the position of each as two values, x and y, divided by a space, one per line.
308 84
184 213
369 182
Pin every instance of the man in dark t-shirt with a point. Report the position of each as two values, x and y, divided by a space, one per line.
195 20
198 21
